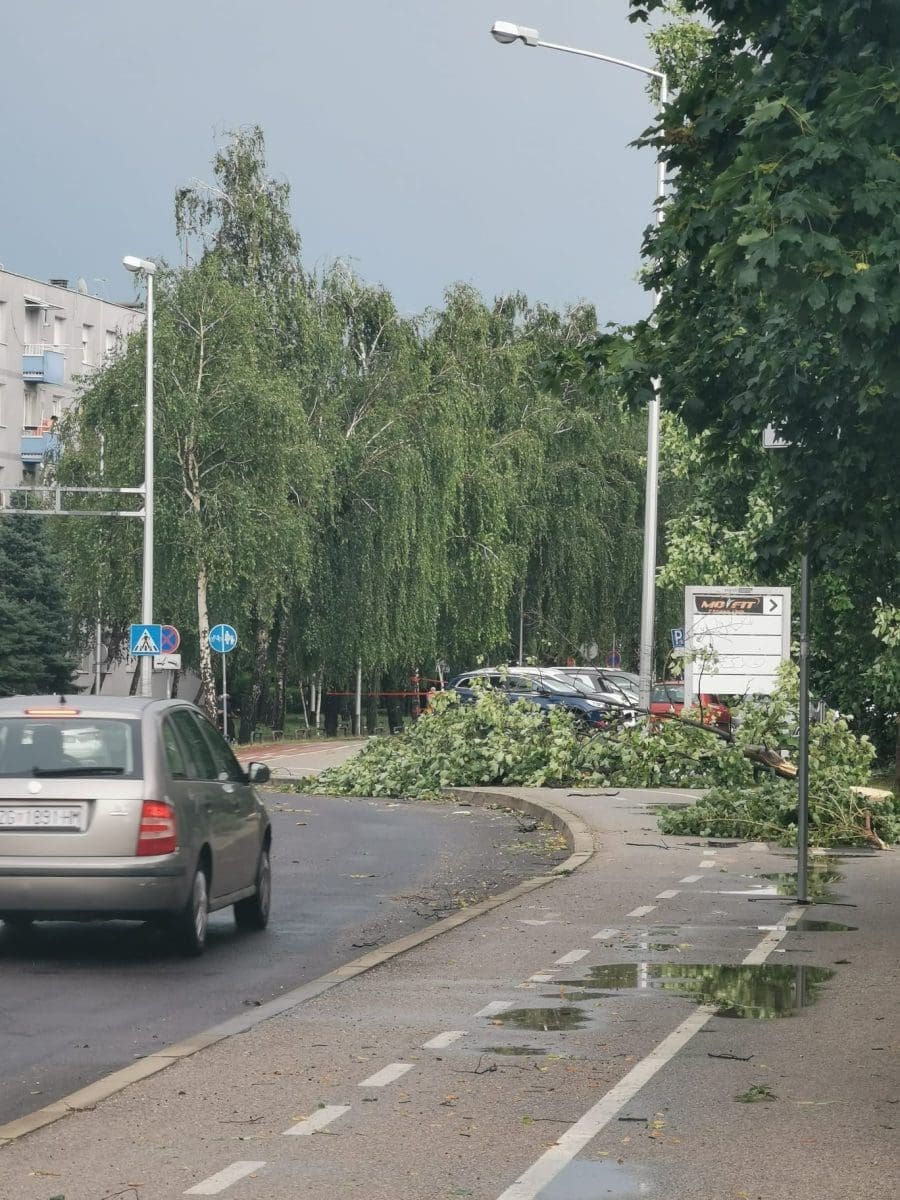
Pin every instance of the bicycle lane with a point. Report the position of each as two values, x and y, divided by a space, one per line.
529 1053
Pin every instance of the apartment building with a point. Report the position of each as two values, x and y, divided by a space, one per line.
52 337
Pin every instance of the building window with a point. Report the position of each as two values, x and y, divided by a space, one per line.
2 322
2 407
111 348
87 333
32 324
59 331
31 410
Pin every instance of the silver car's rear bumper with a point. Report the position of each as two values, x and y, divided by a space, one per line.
131 887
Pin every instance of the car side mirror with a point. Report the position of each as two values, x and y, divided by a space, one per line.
258 772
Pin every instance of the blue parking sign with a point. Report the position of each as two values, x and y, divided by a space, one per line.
677 639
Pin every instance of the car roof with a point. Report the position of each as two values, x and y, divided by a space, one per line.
93 706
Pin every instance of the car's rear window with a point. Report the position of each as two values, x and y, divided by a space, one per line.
673 694
69 747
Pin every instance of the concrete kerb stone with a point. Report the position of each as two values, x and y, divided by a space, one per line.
579 840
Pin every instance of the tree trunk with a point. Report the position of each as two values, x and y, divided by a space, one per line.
207 681
250 714
279 706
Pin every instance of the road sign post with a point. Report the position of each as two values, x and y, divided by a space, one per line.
223 639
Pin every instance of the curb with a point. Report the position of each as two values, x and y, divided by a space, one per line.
580 843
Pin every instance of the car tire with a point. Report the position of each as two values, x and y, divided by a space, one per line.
190 925
252 913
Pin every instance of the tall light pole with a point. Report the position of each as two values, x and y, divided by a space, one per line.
507 33
144 267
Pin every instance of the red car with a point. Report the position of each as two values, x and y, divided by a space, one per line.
667 700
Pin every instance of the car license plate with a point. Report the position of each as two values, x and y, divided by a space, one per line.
44 816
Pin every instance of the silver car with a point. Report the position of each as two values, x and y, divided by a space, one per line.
122 807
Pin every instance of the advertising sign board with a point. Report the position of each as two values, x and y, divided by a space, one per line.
735 638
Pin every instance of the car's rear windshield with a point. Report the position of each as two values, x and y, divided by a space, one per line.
667 694
69 747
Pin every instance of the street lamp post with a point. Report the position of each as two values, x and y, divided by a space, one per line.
148 269
506 33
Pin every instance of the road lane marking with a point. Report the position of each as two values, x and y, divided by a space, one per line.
773 937
542 977
524 921
219 1182
495 1006
691 879
318 1120
667 895
605 934
709 851
573 956
387 1075
707 864
577 1136
443 1040
642 911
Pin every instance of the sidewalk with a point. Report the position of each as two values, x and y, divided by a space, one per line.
537 1052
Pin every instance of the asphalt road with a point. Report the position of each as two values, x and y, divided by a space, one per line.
83 1000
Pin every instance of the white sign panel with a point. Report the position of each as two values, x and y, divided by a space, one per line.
167 662
736 638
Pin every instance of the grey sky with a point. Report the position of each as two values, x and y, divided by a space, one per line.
414 144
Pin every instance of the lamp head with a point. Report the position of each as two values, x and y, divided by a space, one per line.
506 33
130 263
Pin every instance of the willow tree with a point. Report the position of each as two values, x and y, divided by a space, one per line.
231 523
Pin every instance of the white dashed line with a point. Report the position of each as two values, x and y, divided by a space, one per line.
443 1040
523 921
318 1120
574 955
605 934
387 1075
577 1136
495 1006
218 1183
541 977
691 879
668 895
709 863
642 911
709 852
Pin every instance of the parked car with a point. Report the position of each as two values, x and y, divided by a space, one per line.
621 684
131 808
540 686
667 700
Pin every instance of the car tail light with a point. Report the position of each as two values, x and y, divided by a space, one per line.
157 834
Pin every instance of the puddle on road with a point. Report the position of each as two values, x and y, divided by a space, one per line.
648 945
513 1050
757 993
560 1019
590 1179
817 884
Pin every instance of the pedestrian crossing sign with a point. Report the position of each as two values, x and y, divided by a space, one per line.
144 640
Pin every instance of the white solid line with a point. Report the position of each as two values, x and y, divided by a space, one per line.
574 955
495 1006
605 934
218 1183
387 1075
667 895
709 851
771 940
707 864
642 911
577 1136
443 1040
318 1120
690 879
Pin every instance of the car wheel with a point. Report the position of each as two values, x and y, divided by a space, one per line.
189 926
253 912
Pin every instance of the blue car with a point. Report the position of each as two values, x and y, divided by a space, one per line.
539 687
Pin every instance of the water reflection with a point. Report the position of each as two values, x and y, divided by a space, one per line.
755 992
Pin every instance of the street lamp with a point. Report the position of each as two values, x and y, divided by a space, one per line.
506 33
143 267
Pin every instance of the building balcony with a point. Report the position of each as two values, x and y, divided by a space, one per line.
43 364
39 447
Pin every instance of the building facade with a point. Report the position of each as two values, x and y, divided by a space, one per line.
52 338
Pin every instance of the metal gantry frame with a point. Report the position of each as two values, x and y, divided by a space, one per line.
55 492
